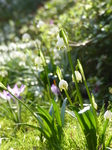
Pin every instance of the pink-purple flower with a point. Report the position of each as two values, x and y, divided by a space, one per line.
5 95
55 90
15 91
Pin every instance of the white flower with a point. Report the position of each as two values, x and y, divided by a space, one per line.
78 76
63 85
60 43
26 37
108 114
40 24
38 61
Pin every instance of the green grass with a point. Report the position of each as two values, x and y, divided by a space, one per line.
29 139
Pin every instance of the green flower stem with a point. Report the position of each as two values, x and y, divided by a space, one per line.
19 112
77 88
46 71
62 34
103 134
68 97
50 92
14 115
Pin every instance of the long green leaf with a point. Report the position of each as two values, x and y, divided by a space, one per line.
57 114
49 126
88 128
47 115
63 111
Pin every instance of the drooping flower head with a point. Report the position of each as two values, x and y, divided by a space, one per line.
63 85
108 114
26 37
38 61
78 76
60 43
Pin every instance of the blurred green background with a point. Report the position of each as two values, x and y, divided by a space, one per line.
89 27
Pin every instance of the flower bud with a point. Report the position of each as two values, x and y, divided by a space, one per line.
93 100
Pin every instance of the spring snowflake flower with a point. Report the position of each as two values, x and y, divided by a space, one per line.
108 114
38 61
63 85
78 76
26 37
60 43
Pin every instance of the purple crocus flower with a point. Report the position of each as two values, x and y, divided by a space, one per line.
5 95
55 90
15 91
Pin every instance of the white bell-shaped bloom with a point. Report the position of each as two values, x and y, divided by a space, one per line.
108 114
78 76
38 61
60 43
63 85
26 37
